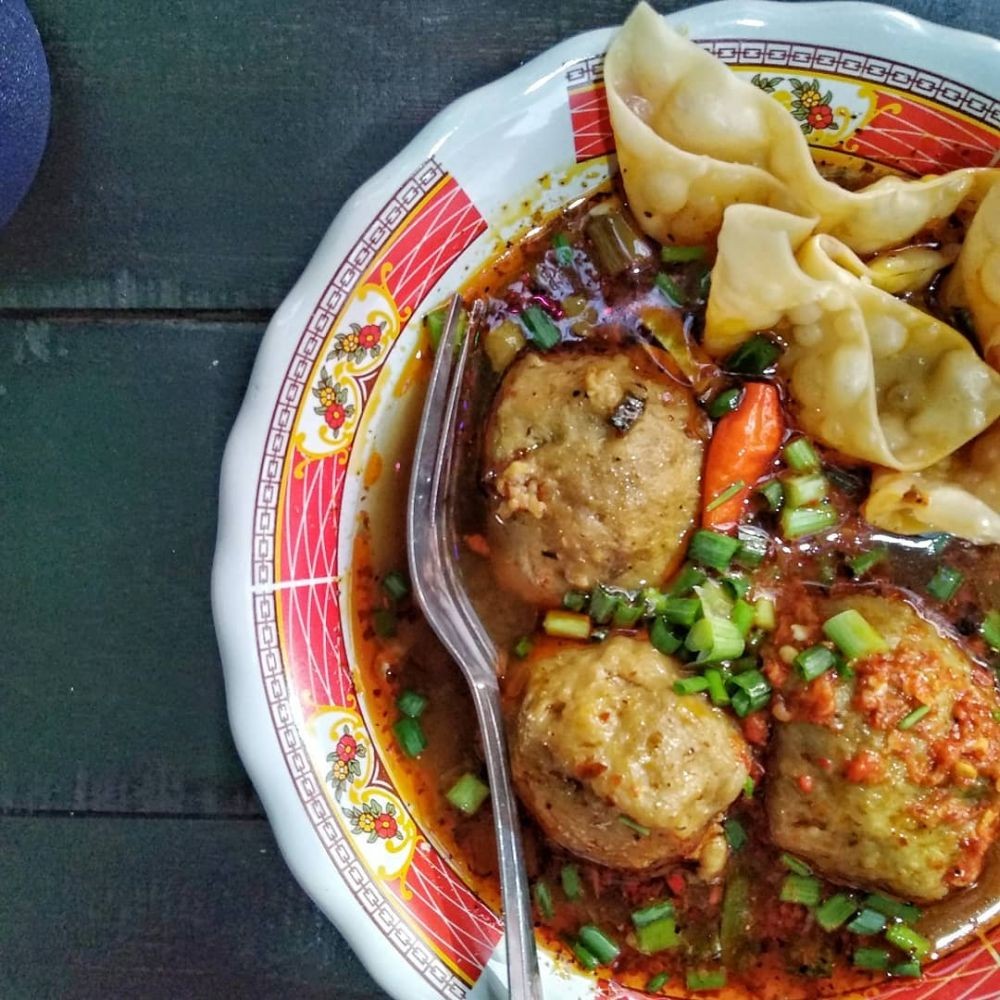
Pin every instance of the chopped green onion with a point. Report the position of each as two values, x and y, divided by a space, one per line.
543 899
753 356
598 944
681 610
563 250
566 625
657 982
738 583
468 794
584 957
688 578
716 687
727 494
659 935
804 889
835 911
713 549
725 402
662 637
602 605
384 623
396 585
864 561
412 704
410 736
617 246
945 583
852 635
744 663
654 911
990 629
894 908
702 979
800 456
798 522
910 720
867 922
715 602
875 959
793 864
670 289
690 685
814 661
907 939
572 887
754 543
753 691
774 493
763 613
676 254
542 331
627 613
749 786
805 489
911 970
435 325
522 647
743 616
575 600
735 834
714 639
634 826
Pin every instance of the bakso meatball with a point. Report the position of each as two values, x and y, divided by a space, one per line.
874 795
593 462
600 742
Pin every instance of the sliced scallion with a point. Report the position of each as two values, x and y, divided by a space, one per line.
410 736
865 561
586 958
814 661
396 585
800 455
749 692
626 613
566 625
542 332
945 583
990 629
852 635
835 911
805 489
658 935
754 543
774 493
563 250
714 640
690 685
411 703
716 687
909 970
657 982
738 583
753 356
681 610
676 254
874 959
688 578
727 494
743 616
798 522
602 947
654 911
602 605
575 600
804 889
725 402
764 614
907 939
617 246
543 900
713 549
635 826
894 908
522 647
662 637
572 887
705 979
912 718
670 290
468 794
867 922
793 864
736 835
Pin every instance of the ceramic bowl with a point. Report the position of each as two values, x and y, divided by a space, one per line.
335 367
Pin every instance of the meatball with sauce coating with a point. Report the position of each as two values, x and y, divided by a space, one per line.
576 500
600 735
911 810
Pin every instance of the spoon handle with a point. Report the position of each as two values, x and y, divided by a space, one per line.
522 959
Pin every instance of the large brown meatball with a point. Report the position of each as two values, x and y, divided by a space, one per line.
910 810
576 501
600 735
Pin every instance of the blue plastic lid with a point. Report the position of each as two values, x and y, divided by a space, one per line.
25 101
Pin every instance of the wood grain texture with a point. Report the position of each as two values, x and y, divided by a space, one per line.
111 685
200 148
161 910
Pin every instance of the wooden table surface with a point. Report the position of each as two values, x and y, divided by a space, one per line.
198 151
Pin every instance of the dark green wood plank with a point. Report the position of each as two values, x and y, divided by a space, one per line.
200 148
110 442
101 908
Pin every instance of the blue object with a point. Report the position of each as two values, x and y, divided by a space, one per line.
25 102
